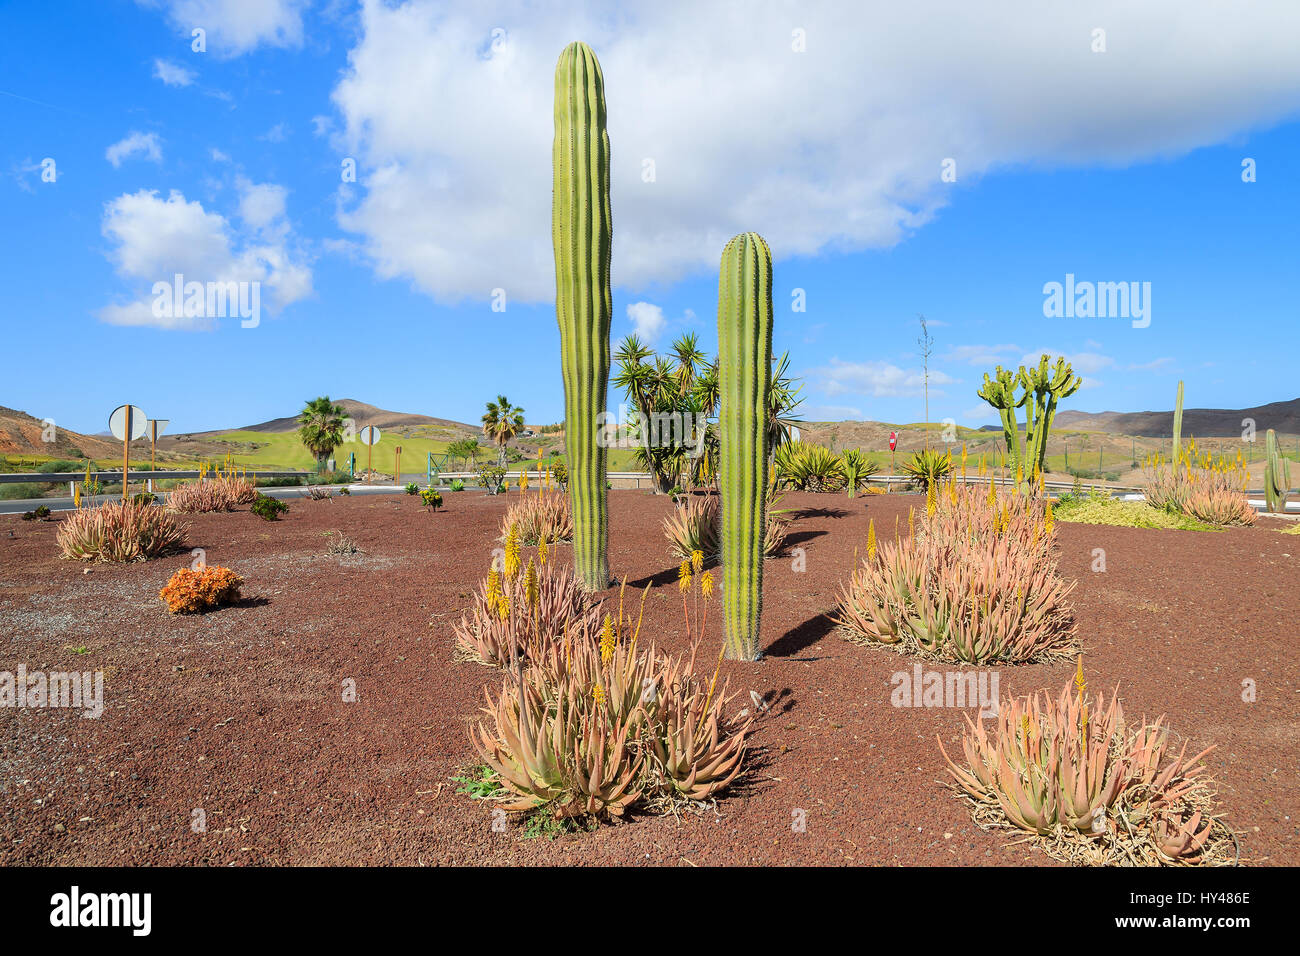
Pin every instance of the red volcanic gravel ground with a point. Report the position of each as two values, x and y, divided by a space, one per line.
240 713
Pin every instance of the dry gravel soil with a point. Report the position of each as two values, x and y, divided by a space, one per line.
240 714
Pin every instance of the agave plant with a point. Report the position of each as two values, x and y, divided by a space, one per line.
806 467
1072 771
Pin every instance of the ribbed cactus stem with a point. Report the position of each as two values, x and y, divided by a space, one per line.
745 379
582 230
1277 475
1178 424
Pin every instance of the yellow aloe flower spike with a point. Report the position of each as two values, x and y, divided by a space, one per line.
697 560
542 551
684 576
608 640
871 539
530 584
706 584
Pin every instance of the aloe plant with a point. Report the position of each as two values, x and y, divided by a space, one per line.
1277 475
745 374
582 231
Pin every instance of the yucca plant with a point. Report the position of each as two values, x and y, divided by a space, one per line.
857 468
119 531
977 583
928 467
540 517
1090 787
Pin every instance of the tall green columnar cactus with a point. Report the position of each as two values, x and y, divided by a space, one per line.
1178 424
745 379
1277 475
582 230
1044 386
1000 392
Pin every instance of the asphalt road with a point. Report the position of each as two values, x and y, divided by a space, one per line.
21 505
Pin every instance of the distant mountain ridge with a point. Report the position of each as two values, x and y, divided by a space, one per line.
1283 417
362 415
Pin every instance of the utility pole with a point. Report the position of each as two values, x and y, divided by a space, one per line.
926 344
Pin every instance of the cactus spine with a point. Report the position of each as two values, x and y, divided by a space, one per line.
581 231
745 378
1277 475
1178 424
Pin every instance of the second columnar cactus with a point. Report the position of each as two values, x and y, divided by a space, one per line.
581 231
745 379
1277 475
1178 424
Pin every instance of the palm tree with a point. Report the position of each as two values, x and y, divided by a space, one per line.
502 422
321 425
466 450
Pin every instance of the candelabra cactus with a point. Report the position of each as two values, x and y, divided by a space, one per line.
581 231
1000 392
745 374
1178 424
1045 386
1277 475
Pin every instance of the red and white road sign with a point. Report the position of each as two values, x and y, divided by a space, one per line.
893 440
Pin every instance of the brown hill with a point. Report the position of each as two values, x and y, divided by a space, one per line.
364 414
23 434
1283 417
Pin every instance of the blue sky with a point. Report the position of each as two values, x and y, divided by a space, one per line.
1118 165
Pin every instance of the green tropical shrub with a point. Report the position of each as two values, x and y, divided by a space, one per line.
268 509
457 485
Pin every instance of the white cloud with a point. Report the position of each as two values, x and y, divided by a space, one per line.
989 355
154 239
831 413
261 204
234 27
172 73
835 149
875 378
647 320
276 134
1084 364
133 143
218 156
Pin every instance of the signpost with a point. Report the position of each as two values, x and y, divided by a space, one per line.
397 465
369 437
156 428
893 443
127 422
